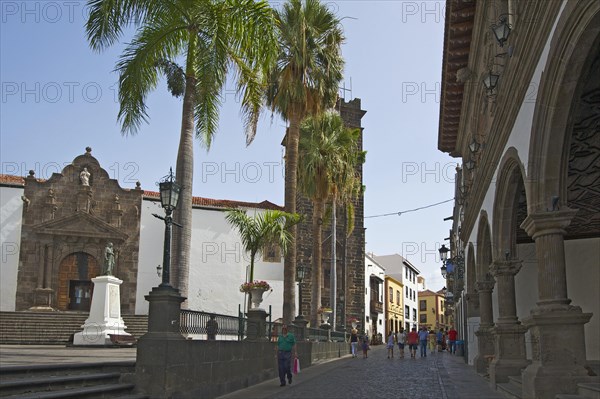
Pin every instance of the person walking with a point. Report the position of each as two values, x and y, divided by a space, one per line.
432 341
354 341
365 346
390 344
440 340
452 336
401 342
413 342
423 335
286 343
211 328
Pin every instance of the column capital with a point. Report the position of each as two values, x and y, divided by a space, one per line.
485 286
506 267
542 223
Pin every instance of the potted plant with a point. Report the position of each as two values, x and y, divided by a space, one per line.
325 313
256 289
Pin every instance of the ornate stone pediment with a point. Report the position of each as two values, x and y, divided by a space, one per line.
81 224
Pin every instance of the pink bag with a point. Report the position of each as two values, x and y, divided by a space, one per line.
296 368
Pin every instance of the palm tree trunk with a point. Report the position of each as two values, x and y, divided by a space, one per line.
291 184
333 274
182 236
316 274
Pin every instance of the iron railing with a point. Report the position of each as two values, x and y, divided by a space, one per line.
193 324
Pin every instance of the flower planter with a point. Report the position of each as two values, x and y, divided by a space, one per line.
256 297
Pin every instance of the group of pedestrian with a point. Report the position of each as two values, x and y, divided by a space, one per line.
423 339
354 343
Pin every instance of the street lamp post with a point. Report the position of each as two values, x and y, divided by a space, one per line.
169 196
300 270
165 301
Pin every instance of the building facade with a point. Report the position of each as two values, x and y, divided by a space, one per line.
374 321
406 273
432 310
520 110
394 305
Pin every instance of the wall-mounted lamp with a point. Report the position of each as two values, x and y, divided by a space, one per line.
474 146
502 30
490 81
470 164
159 270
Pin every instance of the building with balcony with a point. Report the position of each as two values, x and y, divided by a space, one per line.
519 110
374 322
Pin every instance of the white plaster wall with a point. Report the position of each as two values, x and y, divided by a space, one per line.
11 210
152 235
217 268
373 268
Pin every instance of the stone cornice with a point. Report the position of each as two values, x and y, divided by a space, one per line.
506 267
537 20
543 223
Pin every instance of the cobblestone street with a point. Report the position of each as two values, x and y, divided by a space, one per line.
439 375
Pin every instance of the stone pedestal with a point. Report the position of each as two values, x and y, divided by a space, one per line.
485 349
509 354
300 322
164 313
42 299
257 325
105 314
558 353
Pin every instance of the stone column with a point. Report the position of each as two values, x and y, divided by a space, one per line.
510 356
485 333
557 328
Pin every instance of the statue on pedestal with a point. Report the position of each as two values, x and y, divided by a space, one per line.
109 260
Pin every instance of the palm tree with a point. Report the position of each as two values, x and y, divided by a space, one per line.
330 153
211 38
271 227
305 81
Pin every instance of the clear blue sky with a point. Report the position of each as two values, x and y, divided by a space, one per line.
59 97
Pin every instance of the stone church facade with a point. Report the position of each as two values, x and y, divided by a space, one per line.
68 220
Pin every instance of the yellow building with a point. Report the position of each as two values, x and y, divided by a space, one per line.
394 305
431 310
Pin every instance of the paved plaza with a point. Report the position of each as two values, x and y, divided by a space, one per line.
438 376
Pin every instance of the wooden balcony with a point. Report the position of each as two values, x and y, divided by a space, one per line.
376 306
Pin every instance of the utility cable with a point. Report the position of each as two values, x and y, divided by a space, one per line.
409 210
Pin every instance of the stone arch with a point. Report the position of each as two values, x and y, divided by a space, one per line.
484 249
510 185
471 287
577 36
75 272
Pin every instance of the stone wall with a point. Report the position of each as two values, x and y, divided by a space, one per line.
66 227
207 369
351 261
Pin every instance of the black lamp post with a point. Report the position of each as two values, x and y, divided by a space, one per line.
443 256
169 196
300 271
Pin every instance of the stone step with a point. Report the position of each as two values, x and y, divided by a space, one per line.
569 396
79 380
510 390
589 389
54 382
95 391
516 380
55 327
